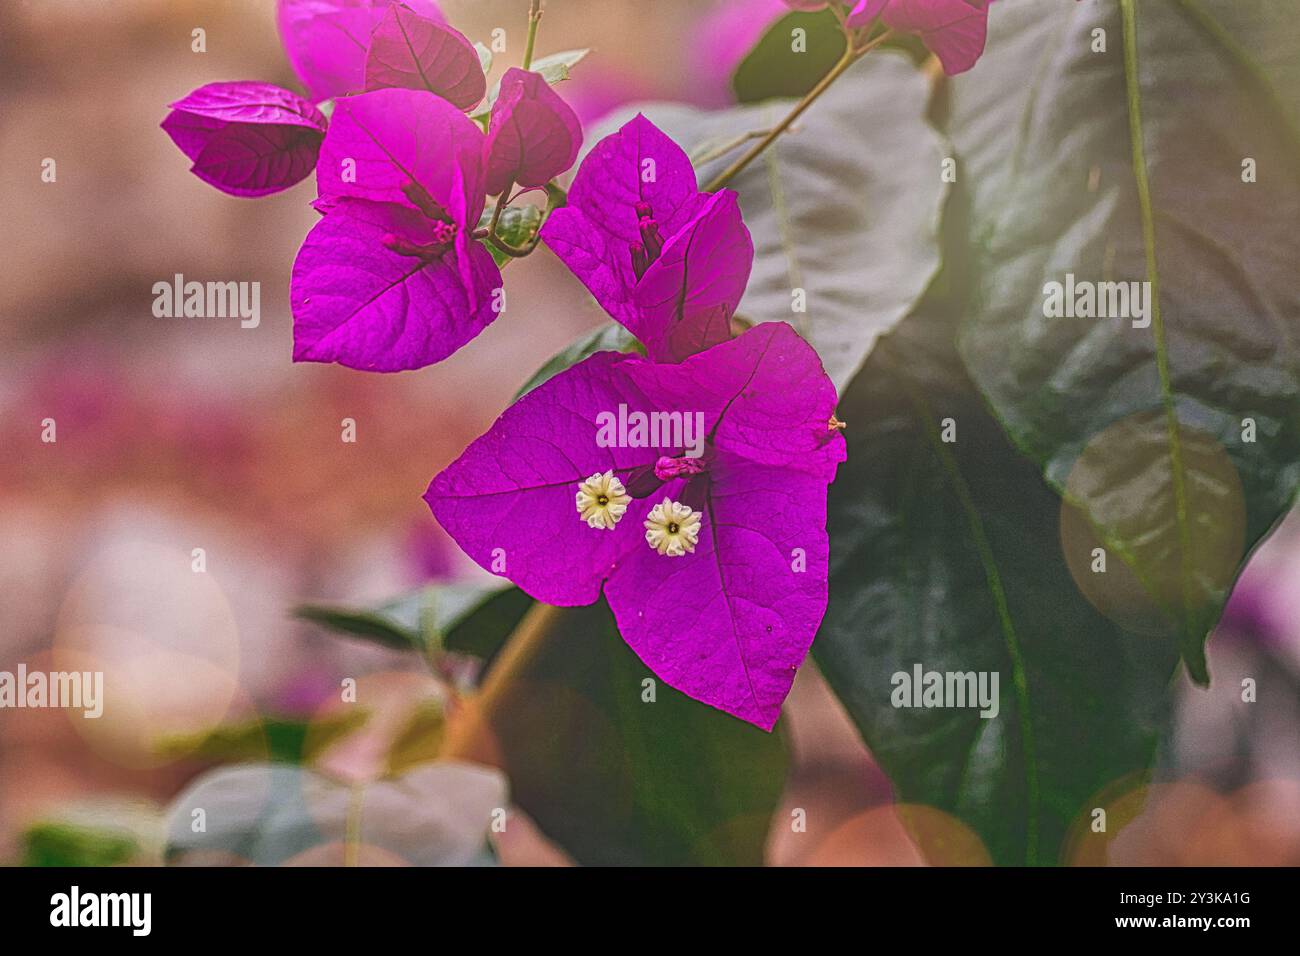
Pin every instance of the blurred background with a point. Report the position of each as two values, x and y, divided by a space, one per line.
177 434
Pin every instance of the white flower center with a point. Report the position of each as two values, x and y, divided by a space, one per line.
672 528
602 499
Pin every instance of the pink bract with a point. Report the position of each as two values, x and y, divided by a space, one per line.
728 623
667 261
533 135
247 138
326 40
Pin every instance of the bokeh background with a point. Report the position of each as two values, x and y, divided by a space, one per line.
175 434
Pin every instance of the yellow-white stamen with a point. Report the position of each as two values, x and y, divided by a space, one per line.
672 528
602 499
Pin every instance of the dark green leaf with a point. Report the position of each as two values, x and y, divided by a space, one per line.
614 779
610 337
276 739
783 64
482 632
946 555
420 621
1144 427
518 224
375 626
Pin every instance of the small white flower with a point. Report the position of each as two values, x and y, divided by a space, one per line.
602 499
672 528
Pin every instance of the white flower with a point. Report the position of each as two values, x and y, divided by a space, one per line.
672 528
602 499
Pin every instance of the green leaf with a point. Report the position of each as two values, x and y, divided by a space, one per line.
65 844
554 69
268 814
420 621
484 57
483 630
419 741
946 555
275 739
774 68
844 207
97 832
610 337
518 224
1127 166
614 779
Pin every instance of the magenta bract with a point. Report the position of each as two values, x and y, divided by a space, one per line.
533 135
376 287
381 143
326 40
727 623
664 259
247 139
392 277
953 30
418 53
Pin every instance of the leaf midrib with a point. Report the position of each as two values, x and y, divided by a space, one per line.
1192 651
993 578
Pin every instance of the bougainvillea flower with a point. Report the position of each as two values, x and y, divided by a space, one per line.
418 53
392 277
533 135
953 30
247 139
326 40
715 566
664 259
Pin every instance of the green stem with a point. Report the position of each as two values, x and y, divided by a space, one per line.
851 56
534 19
469 736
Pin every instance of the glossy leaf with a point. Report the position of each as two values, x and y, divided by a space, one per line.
946 555
1133 165
775 68
667 781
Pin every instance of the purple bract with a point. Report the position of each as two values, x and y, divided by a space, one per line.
700 493
664 259
247 139
392 277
